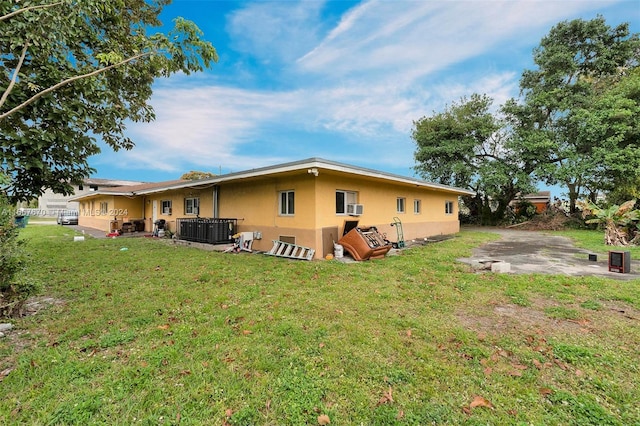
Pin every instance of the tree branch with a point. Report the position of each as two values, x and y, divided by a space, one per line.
16 12
15 75
71 80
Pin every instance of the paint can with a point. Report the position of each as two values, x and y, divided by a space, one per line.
338 251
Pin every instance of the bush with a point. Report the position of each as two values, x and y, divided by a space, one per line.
14 289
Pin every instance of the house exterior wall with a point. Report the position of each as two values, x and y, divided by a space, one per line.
118 208
255 203
379 200
177 199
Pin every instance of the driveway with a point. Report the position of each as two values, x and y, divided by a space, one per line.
531 252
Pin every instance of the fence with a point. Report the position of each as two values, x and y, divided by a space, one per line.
207 230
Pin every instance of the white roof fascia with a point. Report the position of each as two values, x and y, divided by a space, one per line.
296 166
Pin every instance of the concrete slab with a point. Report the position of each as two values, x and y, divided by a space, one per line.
535 252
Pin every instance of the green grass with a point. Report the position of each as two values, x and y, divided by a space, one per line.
161 334
594 240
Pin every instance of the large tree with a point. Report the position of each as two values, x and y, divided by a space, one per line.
561 119
611 126
74 72
470 147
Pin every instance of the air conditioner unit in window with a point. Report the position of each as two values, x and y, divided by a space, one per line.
354 209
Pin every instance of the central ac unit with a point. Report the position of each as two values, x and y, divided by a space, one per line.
354 209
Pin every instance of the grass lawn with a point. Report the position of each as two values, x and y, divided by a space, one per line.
161 334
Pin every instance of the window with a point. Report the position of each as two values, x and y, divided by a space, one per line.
448 207
80 187
400 202
287 203
166 207
191 206
343 198
417 206
104 208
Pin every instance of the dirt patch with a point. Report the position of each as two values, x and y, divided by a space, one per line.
18 339
511 318
37 304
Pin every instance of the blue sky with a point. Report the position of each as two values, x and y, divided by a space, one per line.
341 80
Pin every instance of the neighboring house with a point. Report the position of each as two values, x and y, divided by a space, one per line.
540 200
305 202
49 203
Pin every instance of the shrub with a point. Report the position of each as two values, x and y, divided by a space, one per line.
14 289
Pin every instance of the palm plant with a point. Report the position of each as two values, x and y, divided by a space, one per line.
616 220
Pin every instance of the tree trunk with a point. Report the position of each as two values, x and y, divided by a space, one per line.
573 196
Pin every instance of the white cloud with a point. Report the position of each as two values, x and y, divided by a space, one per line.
360 85
201 125
275 29
418 38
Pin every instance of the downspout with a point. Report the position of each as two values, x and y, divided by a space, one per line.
216 211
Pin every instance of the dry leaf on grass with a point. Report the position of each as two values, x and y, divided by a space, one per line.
479 401
386 397
323 419
4 373
545 391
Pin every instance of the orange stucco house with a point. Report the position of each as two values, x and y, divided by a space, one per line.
305 202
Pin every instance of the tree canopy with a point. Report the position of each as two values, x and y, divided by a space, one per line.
468 146
73 73
196 175
578 106
577 123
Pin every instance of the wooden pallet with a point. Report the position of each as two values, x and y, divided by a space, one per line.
291 251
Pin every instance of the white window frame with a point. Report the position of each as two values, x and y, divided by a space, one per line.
287 202
104 208
190 204
349 197
417 206
167 207
448 207
401 204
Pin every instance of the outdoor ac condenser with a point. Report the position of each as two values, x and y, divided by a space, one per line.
354 209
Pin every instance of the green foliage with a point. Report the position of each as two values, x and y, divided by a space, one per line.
580 115
14 287
74 72
576 125
196 175
619 222
468 147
